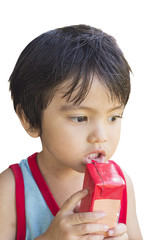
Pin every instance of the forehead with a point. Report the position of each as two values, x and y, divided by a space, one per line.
97 95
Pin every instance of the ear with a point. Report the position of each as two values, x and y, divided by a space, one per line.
25 123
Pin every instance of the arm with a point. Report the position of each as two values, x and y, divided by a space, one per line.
7 206
134 232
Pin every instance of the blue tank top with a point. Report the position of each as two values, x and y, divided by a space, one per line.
38 215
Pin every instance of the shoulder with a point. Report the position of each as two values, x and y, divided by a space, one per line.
132 221
7 185
130 189
7 181
130 195
7 205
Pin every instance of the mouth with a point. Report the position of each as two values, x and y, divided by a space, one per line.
98 156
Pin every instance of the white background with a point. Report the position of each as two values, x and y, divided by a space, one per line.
136 26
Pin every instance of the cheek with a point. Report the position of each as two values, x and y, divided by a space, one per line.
62 136
115 136
65 145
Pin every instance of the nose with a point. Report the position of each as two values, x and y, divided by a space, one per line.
98 135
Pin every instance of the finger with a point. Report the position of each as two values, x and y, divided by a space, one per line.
92 237
122 237
89 228
72 201
85 217
118 230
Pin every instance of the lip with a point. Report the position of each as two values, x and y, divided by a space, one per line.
97 151
100 159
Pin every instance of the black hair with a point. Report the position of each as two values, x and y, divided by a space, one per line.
73 55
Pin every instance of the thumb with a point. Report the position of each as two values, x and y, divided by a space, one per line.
71 203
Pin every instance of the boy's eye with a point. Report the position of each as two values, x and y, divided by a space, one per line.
79 119
114 118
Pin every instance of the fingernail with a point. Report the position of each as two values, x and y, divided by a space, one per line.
110 232
106 227
102 214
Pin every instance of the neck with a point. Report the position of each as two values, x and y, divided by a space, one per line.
57 171
62 182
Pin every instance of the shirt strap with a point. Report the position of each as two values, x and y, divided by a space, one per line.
20 201
42 185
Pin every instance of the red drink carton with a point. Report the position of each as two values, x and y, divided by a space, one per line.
105 187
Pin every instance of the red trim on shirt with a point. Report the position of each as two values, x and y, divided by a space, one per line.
123 212
20 202
43 187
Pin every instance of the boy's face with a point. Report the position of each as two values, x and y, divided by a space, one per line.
73 135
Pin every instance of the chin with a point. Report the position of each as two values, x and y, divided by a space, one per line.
81 169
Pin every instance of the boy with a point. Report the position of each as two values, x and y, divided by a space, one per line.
70 87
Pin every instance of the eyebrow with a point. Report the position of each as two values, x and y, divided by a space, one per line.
64 108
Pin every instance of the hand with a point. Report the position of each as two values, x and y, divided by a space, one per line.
69 225
118 233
